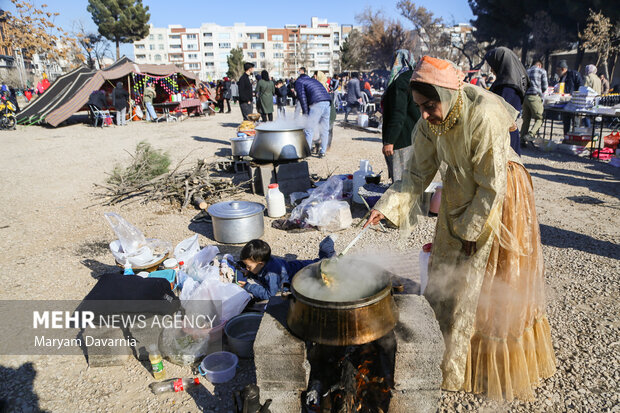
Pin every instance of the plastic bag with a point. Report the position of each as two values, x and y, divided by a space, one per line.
186 347
330 190
186 249
154 250
131 238
330 215
423 262
198 267
203 298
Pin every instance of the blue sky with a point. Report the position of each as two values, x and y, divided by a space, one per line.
277 13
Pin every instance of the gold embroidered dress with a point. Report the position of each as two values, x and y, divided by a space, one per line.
490 305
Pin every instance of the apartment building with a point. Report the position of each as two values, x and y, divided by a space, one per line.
281 51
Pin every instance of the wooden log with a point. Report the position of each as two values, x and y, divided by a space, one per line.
199 202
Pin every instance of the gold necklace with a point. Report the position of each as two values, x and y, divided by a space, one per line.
451 119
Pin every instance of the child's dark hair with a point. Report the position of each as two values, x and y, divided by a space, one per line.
256 250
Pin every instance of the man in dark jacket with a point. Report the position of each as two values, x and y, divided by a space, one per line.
226 94
120 97
572 82
245 91
315 102
354 95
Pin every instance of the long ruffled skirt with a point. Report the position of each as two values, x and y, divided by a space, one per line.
511 350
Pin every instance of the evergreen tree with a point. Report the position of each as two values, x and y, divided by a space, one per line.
235 64
120 21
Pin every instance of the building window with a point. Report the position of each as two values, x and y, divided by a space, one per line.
158 58
257 45
151 37
175 46
191 46
151 47
140 56
292 37
209 54
209 35
160 36
278 55
191 36
175 37
255 36
208 44
194 65
161 47
223 36
277 38
252 55
279 46
192 56
224 45
262 55
209 64
140 46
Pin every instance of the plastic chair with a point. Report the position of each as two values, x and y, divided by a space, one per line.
366 105
99 114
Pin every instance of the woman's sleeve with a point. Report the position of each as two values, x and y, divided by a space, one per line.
489 173
403 195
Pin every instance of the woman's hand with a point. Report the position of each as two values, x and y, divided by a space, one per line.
241 283
374 218
388 149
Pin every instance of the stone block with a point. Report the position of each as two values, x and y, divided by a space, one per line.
262 176
293 177
282 402
273 336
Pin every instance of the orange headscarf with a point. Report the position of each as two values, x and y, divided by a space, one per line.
437 72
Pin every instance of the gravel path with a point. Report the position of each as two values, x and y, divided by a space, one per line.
53 245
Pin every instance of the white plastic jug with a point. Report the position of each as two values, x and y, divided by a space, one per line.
359 179
275 202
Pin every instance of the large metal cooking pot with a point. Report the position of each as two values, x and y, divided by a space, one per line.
236 222
341 323
241 146
278 145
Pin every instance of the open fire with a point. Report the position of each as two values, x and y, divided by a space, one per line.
347 379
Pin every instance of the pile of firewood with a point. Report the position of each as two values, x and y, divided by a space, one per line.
193 186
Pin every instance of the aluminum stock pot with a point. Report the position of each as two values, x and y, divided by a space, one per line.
341 323
241 146
278 145
236 222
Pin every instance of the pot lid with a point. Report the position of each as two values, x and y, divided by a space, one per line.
284 128
235 209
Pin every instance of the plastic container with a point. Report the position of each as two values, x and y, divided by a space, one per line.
276 206
157 363
359 179
241 332
219 367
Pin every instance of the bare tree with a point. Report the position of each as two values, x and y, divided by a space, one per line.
428 28
31 30
381 37
599 35
94 45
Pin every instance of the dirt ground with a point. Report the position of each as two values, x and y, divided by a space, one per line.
53 245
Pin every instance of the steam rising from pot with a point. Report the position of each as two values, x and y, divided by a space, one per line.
349 278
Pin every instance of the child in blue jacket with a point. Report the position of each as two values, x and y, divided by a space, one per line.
271 273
